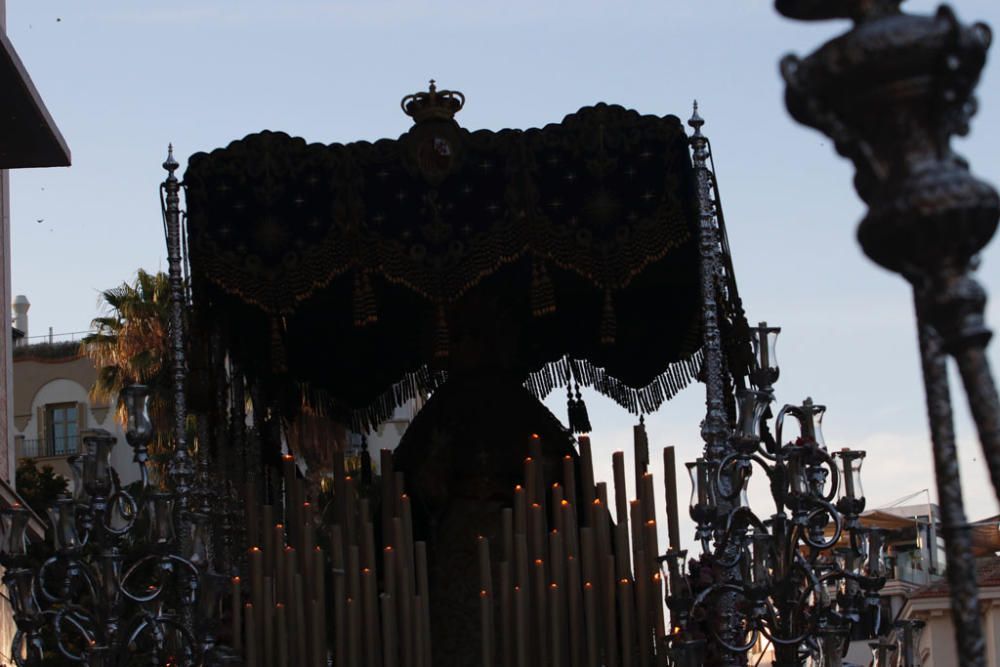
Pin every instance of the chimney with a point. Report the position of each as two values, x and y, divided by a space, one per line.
20 308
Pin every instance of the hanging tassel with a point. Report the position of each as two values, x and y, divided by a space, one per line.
279 362
609 325
441 335
579 420
543 301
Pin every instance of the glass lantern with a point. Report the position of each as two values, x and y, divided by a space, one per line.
762 563
751 405
160 510
764 340
97 446
874 563
138 429
703 500
13 525
62 513
850 473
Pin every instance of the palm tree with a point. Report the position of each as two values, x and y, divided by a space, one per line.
130 345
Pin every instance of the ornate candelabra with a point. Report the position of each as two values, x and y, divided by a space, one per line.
891 93
117 585
801 578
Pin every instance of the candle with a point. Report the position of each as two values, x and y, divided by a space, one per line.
278 561
290 570
622 550
621 493
368 545
640 444
638 533
521 562
557 560
353 573
507 529
485 628
267 521
520 511
648 501
408 535
670 484
530 485
569 479
557 495
288 475
389 572
586 472
250 503
251 649
388 495
350 511
485 576
536 523
602 493
236 605
588 554
280 617
569 531
590 605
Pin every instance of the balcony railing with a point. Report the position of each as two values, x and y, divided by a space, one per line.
33 448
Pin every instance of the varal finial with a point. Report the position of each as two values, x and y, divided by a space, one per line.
170 164
696 121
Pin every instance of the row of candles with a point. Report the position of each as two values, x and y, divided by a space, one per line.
577 587
378 604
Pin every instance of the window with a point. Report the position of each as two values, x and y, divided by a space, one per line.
63 431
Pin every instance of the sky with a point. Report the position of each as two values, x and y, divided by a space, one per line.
122 79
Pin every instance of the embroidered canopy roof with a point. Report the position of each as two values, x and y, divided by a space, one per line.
363 273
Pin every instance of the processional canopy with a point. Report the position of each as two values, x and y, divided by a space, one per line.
364 273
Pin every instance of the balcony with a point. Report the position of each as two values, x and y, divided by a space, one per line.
34 448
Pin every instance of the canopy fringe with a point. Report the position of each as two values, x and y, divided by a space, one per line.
643 400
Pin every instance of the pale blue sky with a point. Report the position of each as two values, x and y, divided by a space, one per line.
122 78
